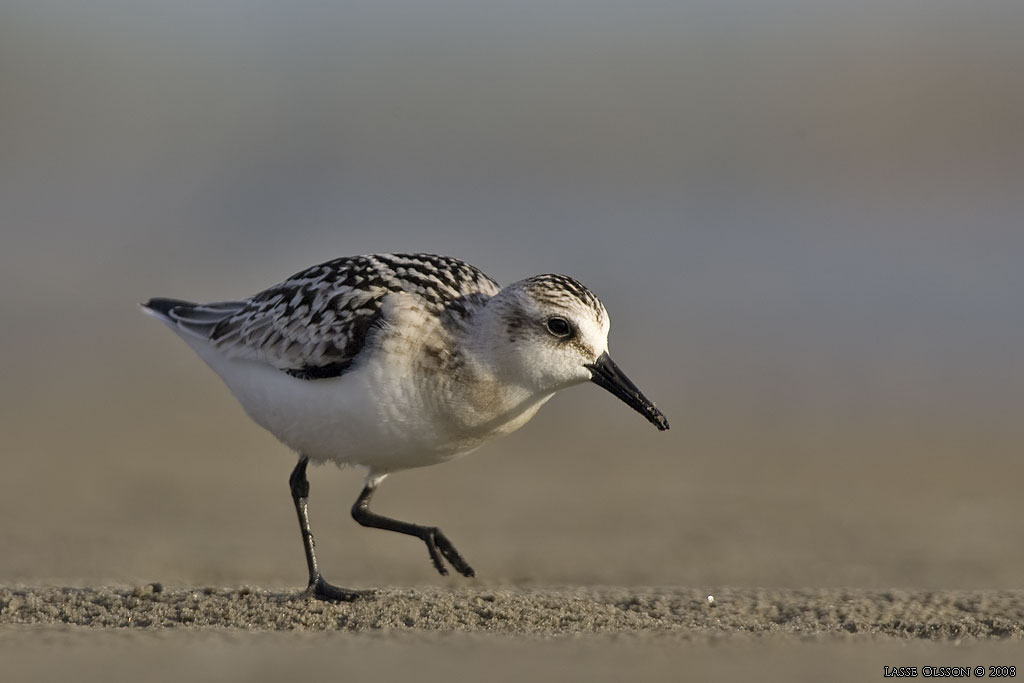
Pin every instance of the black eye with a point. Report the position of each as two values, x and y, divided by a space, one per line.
559 327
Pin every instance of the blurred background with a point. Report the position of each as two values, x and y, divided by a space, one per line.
806 219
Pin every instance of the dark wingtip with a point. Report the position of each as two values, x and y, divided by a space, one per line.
164 306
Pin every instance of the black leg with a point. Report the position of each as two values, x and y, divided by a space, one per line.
437 543
317 587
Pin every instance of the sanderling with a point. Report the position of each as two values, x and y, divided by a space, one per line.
394 361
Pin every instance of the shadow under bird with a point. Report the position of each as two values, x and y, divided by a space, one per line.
395 361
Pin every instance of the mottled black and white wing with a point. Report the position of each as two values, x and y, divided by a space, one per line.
315 324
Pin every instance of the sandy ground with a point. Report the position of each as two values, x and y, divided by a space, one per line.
684 613
694 614
592 634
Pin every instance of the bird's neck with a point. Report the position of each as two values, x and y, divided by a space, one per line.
490 394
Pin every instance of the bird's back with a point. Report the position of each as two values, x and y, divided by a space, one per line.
315 324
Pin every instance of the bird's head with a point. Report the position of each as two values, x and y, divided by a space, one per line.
550 332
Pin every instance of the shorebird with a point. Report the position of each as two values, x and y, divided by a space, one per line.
395 361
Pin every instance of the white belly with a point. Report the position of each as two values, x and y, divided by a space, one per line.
372 416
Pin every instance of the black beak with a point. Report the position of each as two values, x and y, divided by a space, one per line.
606 373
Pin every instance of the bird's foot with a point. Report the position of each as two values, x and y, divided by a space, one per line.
321 590
440 547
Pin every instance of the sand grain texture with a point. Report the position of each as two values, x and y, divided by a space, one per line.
506 634
537 612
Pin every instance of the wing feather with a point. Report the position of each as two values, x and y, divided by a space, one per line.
315 324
